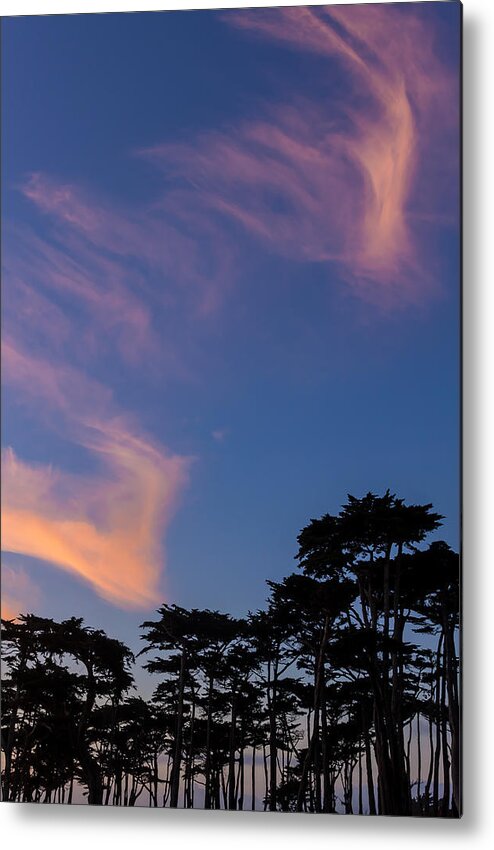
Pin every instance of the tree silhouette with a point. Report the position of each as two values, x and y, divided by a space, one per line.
341 695
366 542
59 674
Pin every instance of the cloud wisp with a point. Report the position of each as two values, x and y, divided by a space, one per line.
115 251
105 527
354 176
346 177
19 593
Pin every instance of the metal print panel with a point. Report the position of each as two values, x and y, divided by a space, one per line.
230 501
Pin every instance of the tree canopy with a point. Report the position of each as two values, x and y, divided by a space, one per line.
342 695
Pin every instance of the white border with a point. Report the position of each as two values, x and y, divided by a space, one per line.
53 7
80 827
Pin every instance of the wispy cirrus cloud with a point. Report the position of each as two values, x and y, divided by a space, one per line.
62 291
90 287
106 527
188 257
344 178
351 179
91 279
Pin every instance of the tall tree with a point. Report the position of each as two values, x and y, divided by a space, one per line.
366 541
76 668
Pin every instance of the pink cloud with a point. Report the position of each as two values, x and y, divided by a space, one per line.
103 315
33 315
111 281
189 254
19 593
220 434
352 182
343 180
105 527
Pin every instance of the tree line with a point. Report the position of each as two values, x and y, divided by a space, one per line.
342 695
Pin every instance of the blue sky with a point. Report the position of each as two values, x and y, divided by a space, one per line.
231 294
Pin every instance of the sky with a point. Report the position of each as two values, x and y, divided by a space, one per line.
231 294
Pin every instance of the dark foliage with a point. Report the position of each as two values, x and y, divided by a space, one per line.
341 696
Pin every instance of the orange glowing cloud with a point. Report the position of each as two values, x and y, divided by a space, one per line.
106 527
352 178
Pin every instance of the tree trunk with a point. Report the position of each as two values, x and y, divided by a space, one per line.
437 753
444 741
360 798
370 778
273 748
453 715
177 750
327 796
231 758
312 754
207 765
